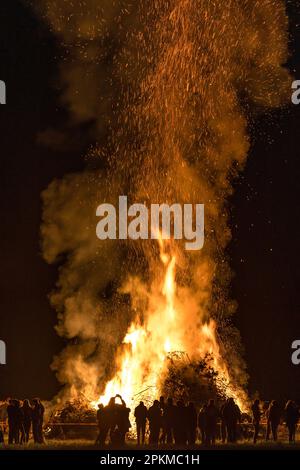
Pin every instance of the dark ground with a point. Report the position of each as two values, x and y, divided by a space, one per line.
81 444
73 443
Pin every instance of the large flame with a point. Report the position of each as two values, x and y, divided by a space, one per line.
142 357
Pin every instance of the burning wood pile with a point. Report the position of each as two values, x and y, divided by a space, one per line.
75 419
192 381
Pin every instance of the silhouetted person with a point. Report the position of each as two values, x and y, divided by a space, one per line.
27 420
202 423
106 421
100 420
231 416
256 416
274 418
291 419
18 425
123 421
191 416
1 436
169 416
111 418
15 422
223 424
37 421
118 420
180 424
154 417
266 407
162 404
41 422
100 413
212 414
11 415
140 414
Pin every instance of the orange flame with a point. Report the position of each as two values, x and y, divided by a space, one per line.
141 359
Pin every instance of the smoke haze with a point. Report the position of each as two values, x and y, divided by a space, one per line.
168 86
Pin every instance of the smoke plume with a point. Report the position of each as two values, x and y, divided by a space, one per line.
169 86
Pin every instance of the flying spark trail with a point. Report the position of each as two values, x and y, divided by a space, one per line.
167 85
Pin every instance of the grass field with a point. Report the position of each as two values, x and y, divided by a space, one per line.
84 444
86 438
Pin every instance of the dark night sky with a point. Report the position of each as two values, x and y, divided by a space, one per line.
265 220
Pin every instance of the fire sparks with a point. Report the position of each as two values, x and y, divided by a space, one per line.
162 83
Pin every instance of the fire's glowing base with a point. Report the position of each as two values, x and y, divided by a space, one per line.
142 357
